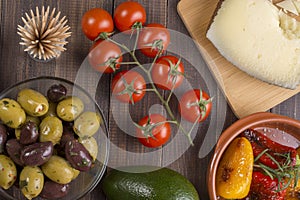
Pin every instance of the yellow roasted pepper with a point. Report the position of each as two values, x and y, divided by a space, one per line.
234 172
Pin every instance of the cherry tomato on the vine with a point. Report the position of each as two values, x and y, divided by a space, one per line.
96 43
195 105
96 21
167 72
128 86
128 14
154 39
105 56
154 130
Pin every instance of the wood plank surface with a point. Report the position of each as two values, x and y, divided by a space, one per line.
244 93
16 65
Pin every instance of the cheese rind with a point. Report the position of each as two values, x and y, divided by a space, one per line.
248 33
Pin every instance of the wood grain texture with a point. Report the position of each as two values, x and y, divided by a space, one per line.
244 93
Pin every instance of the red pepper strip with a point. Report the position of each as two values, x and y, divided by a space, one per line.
264 159
260 142
263 187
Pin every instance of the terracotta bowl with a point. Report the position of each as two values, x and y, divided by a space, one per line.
288 134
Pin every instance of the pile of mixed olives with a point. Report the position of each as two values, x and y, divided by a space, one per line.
45 141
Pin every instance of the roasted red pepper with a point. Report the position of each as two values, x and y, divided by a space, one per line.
263 187
260 143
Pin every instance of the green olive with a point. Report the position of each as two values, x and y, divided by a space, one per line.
31 181
33 102
8 172
76 173
91 145
11 113
18 133
69 108
36 120
51 110
51 129
58 170
87 124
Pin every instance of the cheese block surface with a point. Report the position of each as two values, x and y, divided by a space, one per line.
259 39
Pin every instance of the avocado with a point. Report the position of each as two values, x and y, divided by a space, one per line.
147 183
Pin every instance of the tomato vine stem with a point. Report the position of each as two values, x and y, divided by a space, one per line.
127 63
165 102
137 37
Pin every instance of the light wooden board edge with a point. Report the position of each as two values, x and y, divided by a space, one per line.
245 94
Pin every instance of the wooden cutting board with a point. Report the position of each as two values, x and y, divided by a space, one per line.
245 94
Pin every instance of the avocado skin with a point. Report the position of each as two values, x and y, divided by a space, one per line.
161 184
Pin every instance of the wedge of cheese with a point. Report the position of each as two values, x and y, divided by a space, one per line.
260 39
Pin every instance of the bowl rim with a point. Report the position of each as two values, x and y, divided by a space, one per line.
105 161
232 132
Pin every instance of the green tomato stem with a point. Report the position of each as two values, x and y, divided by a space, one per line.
120 45
127 63
169 97
149 90
153 87
136 40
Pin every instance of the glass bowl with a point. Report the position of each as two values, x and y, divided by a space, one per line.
86 181
287 133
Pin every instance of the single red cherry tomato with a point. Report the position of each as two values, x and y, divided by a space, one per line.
195 105
151 135
105 56
154 38
96 21
128 14
128 86
96 43
167 72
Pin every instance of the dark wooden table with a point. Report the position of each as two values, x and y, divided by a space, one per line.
16 65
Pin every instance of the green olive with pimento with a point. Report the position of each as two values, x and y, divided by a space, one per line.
33 102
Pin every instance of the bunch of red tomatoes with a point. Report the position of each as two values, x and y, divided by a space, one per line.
166 72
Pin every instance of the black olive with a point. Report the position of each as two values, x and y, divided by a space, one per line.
3 137
29 133
36 154
78 156
13 148
67 135
56 92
